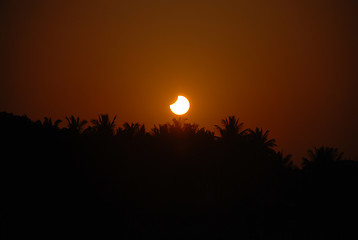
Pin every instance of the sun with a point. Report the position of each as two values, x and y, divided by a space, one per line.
181 106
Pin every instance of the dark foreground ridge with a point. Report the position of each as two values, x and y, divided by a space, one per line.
176 182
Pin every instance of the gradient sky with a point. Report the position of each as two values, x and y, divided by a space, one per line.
287 66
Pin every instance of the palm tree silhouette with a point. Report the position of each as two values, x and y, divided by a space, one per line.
283 160
161 130
132 130
322 157
231 128
103 125
181 129
260 138
206 133
75 125
47 123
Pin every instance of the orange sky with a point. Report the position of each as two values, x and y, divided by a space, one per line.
289 66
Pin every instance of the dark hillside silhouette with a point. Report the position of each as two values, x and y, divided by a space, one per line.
178 181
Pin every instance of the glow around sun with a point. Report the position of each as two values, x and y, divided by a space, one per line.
181 106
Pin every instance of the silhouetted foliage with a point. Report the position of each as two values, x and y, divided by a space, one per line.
231 129
260 139
103 125
47 123
178 181
322 157
132 130
74 124
284 160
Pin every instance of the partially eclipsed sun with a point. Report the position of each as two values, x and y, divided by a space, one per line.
181 106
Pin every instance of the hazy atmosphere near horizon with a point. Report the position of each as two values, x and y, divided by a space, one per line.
179 119
287 66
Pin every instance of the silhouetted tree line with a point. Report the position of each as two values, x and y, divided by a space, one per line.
177 181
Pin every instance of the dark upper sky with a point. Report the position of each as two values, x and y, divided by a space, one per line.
289 66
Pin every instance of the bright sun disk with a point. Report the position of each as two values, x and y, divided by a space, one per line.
181 106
